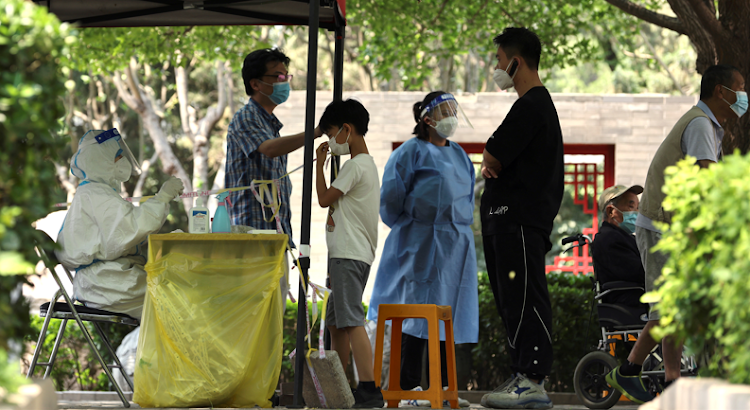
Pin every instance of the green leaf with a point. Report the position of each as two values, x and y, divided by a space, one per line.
13 263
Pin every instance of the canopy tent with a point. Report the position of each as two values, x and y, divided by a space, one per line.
142 13
328 14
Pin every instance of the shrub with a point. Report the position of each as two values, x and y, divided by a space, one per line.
571 298
290 337
703 296
76 367
575 332
571 307
31 43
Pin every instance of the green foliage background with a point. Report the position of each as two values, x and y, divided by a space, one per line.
31 82
573 335
31 44
76 367
703 296
104 50
418 35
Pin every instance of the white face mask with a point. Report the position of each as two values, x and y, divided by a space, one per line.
446 127
123 169
336 148
502 78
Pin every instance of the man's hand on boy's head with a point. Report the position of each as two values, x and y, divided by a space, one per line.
318 132
321 153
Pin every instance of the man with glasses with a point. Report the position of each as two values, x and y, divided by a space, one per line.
255 149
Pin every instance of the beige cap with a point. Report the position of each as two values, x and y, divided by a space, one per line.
615 191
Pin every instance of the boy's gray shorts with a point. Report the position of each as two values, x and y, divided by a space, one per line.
653 262
348 280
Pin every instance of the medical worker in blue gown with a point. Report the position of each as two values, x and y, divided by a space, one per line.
427 199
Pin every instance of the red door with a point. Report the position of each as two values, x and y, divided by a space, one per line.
588 170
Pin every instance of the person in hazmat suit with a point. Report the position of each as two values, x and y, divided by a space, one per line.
427 199
104 237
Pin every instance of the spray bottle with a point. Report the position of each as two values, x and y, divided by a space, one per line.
198 220
221 217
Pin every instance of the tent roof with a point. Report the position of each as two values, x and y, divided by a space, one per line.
137 13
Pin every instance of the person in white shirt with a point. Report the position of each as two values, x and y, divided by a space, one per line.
352 235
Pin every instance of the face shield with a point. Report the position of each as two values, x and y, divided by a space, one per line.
111 137
445 107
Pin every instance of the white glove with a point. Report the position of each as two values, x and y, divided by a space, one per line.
170 190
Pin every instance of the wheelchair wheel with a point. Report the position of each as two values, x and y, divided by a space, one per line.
589 381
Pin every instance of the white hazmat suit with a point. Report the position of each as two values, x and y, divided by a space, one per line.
104 237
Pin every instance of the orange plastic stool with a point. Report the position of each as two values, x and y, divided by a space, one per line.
433 313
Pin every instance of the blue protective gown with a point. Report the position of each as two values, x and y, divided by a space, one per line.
427 198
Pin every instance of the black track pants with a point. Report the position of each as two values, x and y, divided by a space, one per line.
515 264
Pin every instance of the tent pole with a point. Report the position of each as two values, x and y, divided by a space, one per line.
304 259
338 91
338 63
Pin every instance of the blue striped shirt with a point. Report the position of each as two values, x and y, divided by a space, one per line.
251 126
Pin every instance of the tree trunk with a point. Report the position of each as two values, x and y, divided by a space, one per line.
201 143
136 99
722 40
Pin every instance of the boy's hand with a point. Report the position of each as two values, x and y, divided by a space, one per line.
321 153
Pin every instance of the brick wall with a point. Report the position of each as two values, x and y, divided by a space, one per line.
635 124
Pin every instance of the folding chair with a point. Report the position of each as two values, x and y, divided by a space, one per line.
67 310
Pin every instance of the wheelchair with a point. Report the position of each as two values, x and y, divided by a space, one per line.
621 325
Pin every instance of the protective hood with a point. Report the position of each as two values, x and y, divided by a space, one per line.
95 161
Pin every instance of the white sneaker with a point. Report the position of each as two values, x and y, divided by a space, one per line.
461 402
498 389
521 393
413 403
426 403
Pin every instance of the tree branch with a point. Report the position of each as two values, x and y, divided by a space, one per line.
661 20
662 64
124 93
214 114
171 102
151 94
82 116
181 81
91 105
133 84
434 21
62 173
709 20
470 22
510 16
138 190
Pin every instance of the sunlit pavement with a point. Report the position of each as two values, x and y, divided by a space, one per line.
100 405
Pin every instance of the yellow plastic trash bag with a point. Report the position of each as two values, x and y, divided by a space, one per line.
211 331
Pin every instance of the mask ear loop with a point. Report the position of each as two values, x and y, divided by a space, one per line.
735 96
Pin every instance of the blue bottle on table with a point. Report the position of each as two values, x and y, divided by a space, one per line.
221 222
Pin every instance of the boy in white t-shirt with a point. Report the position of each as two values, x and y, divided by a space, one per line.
352 234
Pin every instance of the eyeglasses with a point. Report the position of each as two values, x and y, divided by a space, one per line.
281 78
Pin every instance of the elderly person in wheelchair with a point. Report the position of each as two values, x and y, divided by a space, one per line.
614 251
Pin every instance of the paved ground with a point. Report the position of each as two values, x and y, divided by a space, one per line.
101 405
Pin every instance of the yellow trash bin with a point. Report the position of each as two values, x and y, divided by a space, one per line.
211 331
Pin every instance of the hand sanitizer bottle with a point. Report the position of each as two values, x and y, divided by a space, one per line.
198 220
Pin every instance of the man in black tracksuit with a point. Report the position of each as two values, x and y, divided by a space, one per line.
523 168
